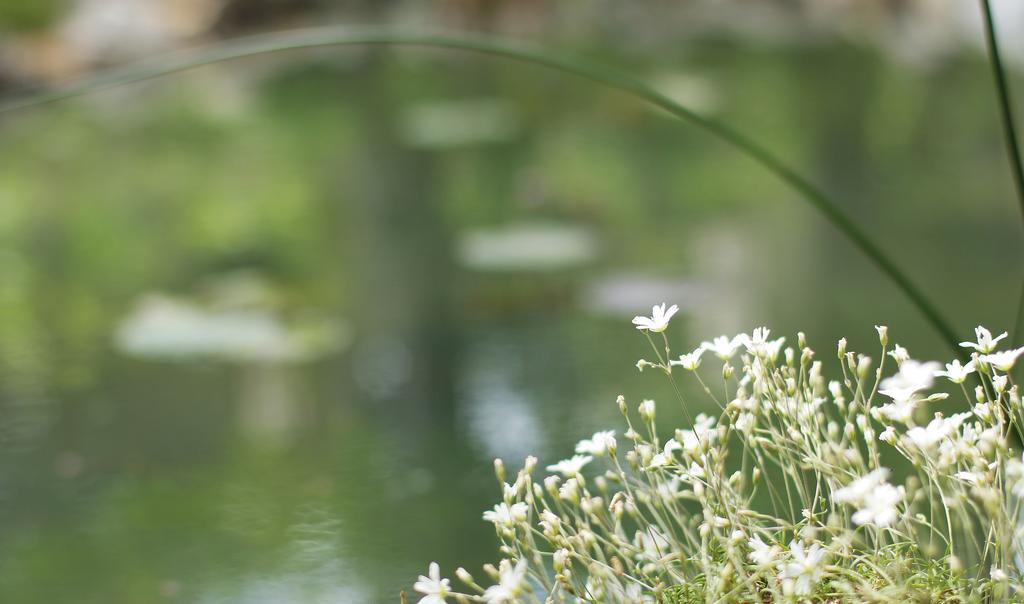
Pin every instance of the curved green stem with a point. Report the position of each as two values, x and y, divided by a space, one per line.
1009 131
333 36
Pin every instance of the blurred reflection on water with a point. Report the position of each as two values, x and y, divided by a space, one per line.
380 273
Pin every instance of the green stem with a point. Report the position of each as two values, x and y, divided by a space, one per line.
1009 130
343 36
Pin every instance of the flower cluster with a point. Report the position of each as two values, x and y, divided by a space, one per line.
801 488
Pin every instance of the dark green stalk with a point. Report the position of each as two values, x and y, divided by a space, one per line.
319 37
1009 131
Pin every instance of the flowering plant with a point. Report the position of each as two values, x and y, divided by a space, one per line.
787 495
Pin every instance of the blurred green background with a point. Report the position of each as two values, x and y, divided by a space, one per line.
264 325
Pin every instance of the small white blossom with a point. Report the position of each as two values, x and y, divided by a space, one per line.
939 428
570 490
433 586
724 347
859 489
757 343
879 506
690 361
986 343
898 411
507 516
653 543
805 568
559 558
700 437
659 460
955 372
511 580
973 478
913 376
746 422
571 466
762 554
597 445
1015 475
647 409
1002 360
899 353
658 321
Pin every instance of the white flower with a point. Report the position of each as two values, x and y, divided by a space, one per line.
647 409
510 583
435 588
804 568
973 478
986 343
507 516
955 372
899 353
771 349
757 343
690 361
859 489
659 460
983 411
572 466
598 445
723 347
762 554
897 411
746 422
939 428
570 491
653 543
658 321
1015 475
912 376
1003 360
559 558
879 506
694 473
701 437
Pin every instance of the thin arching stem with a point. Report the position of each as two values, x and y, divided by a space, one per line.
344 36
1009 131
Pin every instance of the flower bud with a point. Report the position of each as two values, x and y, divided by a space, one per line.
551 485
531 463
621 402
841 348
647 410
499 469
492 572
883 334
863 366
559 558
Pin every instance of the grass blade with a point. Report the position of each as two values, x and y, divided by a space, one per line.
345 36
